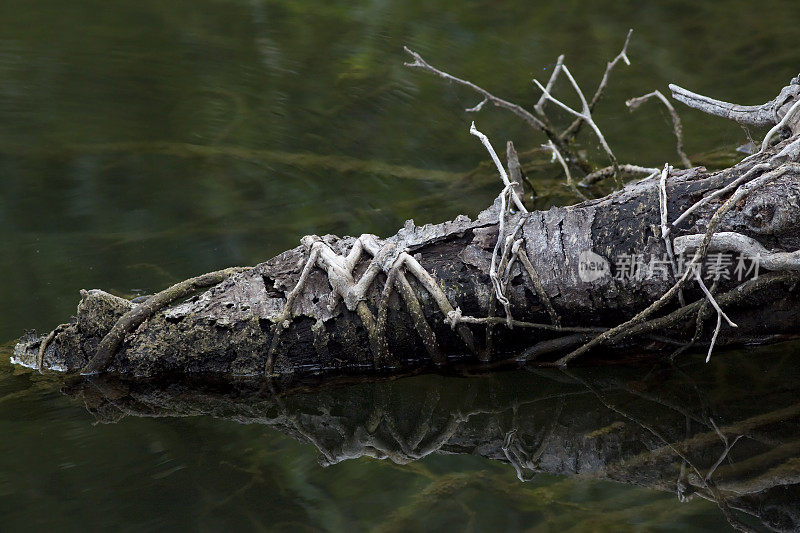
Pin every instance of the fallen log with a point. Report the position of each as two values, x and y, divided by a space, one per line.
510 287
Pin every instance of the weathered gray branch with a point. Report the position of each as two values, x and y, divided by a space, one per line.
767 114
575 127
518 110
729 241
677 128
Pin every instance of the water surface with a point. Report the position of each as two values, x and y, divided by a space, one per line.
145 142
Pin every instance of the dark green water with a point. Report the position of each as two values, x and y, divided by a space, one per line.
145 142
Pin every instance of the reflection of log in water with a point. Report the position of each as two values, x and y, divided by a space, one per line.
731 438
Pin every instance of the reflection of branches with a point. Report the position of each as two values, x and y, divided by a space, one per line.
713 493
516 452
728 447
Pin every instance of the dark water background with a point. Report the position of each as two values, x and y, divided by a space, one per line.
145 142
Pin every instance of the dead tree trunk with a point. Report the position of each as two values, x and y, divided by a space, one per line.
630 271
425 296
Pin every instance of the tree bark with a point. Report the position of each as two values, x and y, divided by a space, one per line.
237 326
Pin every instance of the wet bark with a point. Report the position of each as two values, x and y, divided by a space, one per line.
230 329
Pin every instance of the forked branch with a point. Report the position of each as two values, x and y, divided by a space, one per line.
518 110
584 114
575 127
677 129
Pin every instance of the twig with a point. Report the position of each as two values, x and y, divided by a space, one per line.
732 241
585 114
557 155
711 344
539 107
575 127
720 314
498 288
729 187
455 317
478 107
677 129
508 189
698 328
503 175
521 112
519 251
780 125
662 207
553 345
607 172
45 343
500 282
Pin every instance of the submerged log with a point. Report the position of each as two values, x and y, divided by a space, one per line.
508 287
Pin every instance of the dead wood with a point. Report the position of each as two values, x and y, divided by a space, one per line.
598 274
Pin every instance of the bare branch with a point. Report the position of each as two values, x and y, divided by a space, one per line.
575 127
508 190
712 301
525 115
624 170
137 315
634 104
787 118
503 175
477 107
736 242
519 250
729 187
455 317
720 315
539 107
585 114
756 115
557 155
662 207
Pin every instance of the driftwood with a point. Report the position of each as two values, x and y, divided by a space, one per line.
729 438
509 287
